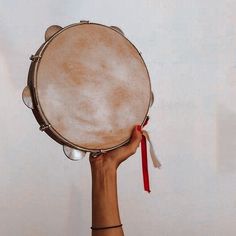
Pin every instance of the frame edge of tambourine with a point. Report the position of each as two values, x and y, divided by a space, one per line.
38 111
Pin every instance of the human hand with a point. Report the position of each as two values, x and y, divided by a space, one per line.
112 159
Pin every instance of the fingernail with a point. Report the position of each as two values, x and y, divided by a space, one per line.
138 127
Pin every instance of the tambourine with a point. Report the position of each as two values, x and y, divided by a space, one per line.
88 86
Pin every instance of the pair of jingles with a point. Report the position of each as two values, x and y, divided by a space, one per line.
88 86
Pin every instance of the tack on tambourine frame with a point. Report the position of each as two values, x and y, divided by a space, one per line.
66 84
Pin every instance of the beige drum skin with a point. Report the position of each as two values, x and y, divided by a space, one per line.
89 86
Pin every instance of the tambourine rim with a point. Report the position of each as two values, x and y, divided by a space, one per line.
52 130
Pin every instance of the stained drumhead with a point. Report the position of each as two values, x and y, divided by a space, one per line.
92 86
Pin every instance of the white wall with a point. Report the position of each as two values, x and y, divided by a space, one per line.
190 49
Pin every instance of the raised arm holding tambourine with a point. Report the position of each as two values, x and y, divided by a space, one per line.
105 212
88 85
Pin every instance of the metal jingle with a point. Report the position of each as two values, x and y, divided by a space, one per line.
73 154
51 30
151 99
26 97
117 29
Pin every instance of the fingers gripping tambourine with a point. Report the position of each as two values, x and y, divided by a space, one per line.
88 86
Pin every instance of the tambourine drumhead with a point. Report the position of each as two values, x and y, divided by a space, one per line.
92 86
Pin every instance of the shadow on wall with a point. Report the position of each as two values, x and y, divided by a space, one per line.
226 140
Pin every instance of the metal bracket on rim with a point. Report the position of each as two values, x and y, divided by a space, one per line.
95 154
34 57
84 22
44 127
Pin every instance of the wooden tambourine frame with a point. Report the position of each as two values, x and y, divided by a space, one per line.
30 97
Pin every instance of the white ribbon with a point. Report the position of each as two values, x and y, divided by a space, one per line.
155 161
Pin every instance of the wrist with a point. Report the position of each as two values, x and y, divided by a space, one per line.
100 166
105 174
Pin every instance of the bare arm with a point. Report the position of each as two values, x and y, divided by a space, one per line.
105 210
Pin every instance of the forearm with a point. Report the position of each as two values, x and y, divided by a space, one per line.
105 211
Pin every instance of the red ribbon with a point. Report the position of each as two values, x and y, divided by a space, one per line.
145 161
145 164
